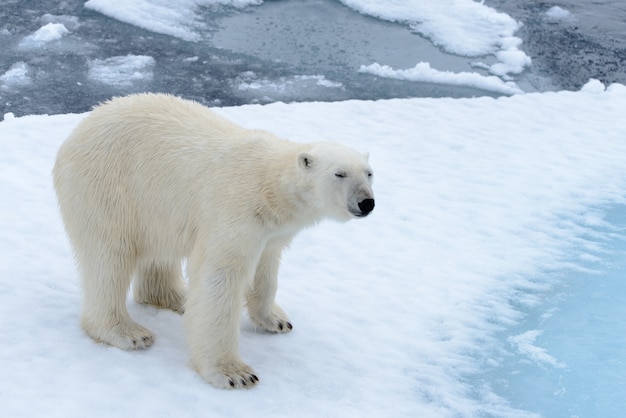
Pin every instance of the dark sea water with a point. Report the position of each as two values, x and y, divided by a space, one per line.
590 45
565 54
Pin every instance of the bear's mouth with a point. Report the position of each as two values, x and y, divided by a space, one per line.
359 214
355 212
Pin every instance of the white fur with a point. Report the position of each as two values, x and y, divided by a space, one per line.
147 180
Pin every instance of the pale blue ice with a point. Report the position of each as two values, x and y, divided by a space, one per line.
581 328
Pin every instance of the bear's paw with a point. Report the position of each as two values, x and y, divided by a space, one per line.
274 321
231 375
125 335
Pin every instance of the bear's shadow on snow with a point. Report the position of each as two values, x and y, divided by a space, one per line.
169 330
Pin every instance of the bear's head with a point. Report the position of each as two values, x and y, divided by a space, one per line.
339 179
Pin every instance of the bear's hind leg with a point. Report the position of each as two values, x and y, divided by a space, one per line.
105 317
160 283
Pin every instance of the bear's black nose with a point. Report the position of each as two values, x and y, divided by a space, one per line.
366 206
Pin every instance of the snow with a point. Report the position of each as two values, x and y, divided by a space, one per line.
121 71
479 202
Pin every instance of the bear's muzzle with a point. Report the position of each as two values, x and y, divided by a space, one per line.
366 206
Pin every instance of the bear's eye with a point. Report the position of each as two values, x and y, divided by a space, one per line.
341 174
369 174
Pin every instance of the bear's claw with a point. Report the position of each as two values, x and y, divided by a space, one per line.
231 375
275 321
146 341
125 334
287 325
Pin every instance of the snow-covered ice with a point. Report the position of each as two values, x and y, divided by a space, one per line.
558 13
283 88
480 203
122 71
47 33
15 77
70 23
423 72
464 27
176 18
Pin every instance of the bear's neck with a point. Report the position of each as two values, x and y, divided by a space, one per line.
285 198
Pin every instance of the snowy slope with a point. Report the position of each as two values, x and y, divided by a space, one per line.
478 202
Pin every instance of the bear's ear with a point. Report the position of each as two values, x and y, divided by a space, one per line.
305 160
366 155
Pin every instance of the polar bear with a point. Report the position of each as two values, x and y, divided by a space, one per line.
148 180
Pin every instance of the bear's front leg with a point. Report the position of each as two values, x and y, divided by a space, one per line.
260 297
213 318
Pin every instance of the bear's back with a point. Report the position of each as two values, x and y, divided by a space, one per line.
153 117
158 133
